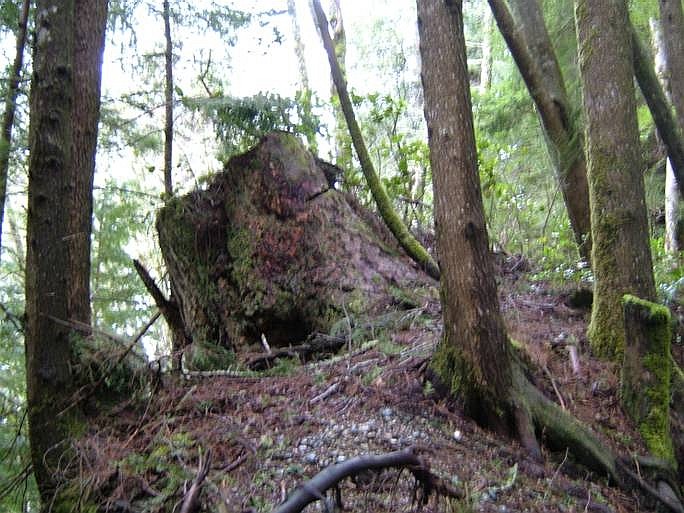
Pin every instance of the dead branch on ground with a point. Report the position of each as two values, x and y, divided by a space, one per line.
315 488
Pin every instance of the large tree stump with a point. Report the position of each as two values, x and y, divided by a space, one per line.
269 247
646 373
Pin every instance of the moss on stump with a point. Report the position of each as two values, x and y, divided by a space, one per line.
646 370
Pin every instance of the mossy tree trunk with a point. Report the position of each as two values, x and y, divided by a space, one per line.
407 241
646 370
621 258
530 45
475 360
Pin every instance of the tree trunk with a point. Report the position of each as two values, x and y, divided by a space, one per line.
47 272
407 241
621 258
474 357
306 92
299 45
168 102
10 109
672 47
664 119
672 29
89 38
530 46
343 145
486 63
671 190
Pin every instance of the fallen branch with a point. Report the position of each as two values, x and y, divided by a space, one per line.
190 500
326 393
316 343
315 488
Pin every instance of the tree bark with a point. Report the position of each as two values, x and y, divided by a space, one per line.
671 190
11 108
47 343
672 46
664 119
168 102
89 38
621 258
407 241
343 145
474 357
672 29
531 48
486 63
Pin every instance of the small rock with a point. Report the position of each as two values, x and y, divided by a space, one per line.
302 448
458 436
311 458
370 434
387 413
340 458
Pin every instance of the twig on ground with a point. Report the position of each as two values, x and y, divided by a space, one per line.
574 359
326 393
555 388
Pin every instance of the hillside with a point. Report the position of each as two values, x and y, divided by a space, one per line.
266 435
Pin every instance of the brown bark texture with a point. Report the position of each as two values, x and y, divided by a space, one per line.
621 257
89 36
47 343
530 45
168 102
474 357
672 32
269 248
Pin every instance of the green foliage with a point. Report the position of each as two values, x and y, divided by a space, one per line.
241 122
14 448
121 216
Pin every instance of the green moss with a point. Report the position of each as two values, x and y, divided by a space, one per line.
649 405
448 364
606 331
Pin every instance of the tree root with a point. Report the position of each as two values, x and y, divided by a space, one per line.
315 488
562 430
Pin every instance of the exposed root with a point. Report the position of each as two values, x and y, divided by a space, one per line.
315 488
562 430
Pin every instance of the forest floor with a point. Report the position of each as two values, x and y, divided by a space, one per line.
268 435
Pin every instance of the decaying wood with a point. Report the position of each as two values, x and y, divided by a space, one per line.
316 487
